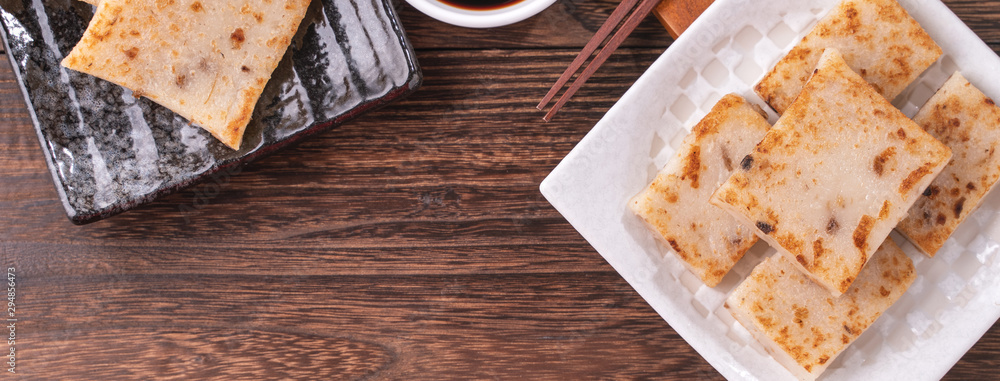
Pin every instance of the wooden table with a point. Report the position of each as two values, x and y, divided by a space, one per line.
411 243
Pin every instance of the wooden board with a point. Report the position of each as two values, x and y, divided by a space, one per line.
677 15
412 243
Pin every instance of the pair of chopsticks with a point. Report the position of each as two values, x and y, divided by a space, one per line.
626 8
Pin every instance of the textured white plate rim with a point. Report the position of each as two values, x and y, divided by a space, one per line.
577 206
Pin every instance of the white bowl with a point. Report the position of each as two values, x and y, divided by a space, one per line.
480 19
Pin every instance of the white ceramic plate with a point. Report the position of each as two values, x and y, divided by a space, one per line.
956 297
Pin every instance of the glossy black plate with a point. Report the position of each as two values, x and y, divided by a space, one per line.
109 152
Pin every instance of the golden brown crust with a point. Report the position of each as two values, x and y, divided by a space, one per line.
208 61
878 39
674 206
968 121
797 320
842 165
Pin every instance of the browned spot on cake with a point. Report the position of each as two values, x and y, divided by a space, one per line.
889 14
799 53
879 164
765 322
771 141
861 232
801 314
792 244
941 219
197 7
932 191
818 338
692 167
671 197
846 283
132 53
818 248
180 80
802 261
674 245
958 207
853 22
782 335
970 186
884 212
740 181
914 177
989 101
709 125
244 69
237 38
900 133
882 291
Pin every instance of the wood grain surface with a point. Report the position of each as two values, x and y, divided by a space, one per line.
412 243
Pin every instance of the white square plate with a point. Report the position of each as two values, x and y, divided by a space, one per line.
956 297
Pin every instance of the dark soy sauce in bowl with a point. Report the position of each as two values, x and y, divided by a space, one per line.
480 5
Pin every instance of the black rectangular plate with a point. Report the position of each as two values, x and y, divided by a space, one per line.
109 152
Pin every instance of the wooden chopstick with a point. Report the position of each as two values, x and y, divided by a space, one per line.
609 26
640 12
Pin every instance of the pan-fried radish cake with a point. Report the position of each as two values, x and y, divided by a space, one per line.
800 324
877 38
675 206
206 60
834 176
967 121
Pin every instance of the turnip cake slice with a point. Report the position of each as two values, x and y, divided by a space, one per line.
968 122
878 39
800 324
834 176
206 60
675 206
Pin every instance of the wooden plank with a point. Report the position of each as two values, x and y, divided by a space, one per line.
411 243
677 15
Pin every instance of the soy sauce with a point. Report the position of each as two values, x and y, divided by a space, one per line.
480 5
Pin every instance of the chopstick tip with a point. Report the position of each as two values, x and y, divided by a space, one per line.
550 114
